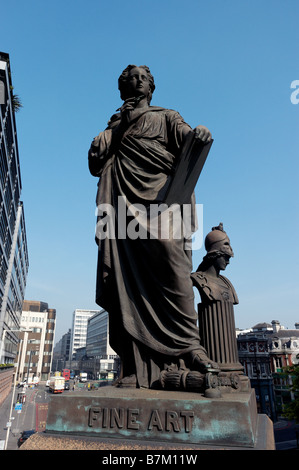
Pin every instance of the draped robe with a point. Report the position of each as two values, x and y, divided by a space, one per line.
143 283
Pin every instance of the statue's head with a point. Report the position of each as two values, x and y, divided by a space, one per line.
123 82
219 250
217 241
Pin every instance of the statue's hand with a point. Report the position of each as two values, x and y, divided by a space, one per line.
128 105
203 133
125 111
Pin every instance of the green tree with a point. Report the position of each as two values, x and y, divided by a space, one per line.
16 103
291 410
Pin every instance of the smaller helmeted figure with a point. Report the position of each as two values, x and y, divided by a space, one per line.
211 285
216 310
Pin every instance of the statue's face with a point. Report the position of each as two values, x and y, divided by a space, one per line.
137 83
221 262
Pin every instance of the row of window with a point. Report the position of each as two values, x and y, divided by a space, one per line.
33 319
34 364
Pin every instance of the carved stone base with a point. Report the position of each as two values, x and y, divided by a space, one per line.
213 383
157 416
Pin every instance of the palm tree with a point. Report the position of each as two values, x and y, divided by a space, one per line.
16 103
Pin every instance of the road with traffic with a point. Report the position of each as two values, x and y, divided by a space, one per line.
31 414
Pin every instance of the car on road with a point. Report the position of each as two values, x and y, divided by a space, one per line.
31 381
66 386
24 436
22 384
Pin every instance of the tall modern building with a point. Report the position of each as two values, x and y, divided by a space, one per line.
79 329
105 362
13 243
62 351
97 340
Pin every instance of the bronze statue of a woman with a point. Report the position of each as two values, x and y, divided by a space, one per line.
144 283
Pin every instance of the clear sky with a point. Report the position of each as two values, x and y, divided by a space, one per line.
227 64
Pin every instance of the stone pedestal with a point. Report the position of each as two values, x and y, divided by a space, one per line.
151 416
218 334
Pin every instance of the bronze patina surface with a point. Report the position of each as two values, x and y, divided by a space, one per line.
143 278
157 416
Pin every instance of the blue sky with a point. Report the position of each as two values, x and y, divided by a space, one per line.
227 64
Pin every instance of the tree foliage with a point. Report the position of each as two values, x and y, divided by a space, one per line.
291 410
16 103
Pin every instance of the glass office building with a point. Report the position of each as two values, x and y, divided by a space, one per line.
97 341
79 329
13 243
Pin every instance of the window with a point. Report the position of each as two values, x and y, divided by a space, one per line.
34 341
278 362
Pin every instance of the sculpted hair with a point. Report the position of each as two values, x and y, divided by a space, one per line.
122 81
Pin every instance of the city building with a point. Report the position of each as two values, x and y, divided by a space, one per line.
97 340
284 352
265 350
79 329
105 360
90 350
13 243
61 352
254 355
35 351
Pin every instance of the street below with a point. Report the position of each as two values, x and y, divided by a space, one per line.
29 415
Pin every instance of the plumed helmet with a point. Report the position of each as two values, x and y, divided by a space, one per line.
218 241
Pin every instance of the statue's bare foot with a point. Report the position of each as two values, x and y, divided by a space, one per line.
127 382
201 362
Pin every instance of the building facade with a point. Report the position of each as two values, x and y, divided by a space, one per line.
265 350
254 355
90 350
79 329
284 352
35 353
13 243
104 362
62 352
97 340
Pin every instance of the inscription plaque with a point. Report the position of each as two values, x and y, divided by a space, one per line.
136 419
157 416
